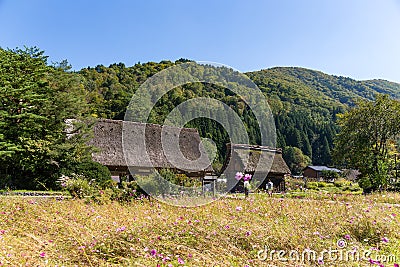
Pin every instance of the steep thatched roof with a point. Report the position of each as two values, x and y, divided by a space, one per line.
250 155
114 138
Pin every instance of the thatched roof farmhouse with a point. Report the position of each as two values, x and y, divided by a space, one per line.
266 160
108 138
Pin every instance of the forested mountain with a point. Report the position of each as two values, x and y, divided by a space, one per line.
304 102
37 99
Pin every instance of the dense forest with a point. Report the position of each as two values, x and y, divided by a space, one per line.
37 98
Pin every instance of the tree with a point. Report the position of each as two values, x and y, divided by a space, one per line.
325 152
295 159
35 102
363 141
328 174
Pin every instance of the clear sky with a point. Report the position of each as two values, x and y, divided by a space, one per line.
354 38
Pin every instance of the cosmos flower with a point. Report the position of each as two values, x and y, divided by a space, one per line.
247 177
180 261
385 240
238 176
121 229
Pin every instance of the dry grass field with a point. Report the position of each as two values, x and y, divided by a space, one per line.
333 230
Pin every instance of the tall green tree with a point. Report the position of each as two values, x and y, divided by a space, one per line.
295 159
36 100
363 142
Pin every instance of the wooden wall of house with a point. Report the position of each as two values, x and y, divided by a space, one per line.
310 173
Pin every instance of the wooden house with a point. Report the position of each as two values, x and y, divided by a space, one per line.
248 158
316 172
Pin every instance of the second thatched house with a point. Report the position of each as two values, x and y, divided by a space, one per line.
264 163
138 148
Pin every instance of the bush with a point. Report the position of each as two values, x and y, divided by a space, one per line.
102 196
342 183
323 184
293 184
312 185
178 178
93 171
128 191
77 186
80 187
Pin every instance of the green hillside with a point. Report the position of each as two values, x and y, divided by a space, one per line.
304 102
37 98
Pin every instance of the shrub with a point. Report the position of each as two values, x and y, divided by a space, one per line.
152 184
178 178
312 185
330 174
102 196
93 171
342 183
78 186
323 184
294 184
128 191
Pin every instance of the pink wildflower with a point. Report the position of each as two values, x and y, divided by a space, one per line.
153 252
121 229
180 261
247 177
238 176
385 240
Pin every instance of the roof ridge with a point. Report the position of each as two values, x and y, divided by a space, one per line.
145 124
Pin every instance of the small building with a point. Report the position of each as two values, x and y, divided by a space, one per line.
316 172
138 155
248 158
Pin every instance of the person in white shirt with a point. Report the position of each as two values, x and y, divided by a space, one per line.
270 187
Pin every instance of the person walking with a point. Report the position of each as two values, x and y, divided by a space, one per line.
246 186
270 187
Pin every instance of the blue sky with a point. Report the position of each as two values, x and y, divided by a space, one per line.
354 38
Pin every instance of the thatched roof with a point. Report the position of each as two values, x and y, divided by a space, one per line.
109 136
250 155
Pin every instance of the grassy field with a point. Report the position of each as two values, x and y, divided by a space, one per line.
233 231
